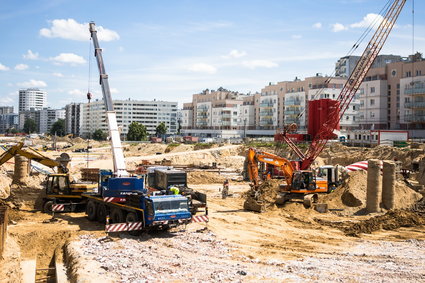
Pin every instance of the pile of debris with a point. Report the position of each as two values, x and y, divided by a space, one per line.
391 220
262 197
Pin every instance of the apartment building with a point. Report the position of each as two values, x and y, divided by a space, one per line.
32 98
389 96
345 65
148 113
46 117
8 121
216 113
73 118
6 110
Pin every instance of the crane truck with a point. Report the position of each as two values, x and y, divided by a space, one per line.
122 201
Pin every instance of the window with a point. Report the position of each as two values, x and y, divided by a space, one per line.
372 102
372 90
372 115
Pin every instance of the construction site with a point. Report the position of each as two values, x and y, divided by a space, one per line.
319 209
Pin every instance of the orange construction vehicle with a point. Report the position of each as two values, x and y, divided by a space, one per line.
299 184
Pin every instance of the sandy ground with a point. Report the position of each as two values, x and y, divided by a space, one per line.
283 244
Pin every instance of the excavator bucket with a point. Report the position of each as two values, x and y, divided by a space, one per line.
253 205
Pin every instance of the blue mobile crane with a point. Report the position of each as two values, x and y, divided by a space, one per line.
121 200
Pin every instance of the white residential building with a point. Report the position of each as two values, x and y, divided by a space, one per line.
47 117
148 113
32 98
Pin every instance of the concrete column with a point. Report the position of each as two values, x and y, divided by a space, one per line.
21 172
373 192
388 184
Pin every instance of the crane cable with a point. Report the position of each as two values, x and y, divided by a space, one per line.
355 46
88 104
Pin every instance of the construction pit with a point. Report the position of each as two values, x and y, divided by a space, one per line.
284 243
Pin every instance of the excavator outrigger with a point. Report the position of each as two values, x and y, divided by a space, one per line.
299 184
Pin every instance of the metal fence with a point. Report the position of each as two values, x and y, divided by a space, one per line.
3 227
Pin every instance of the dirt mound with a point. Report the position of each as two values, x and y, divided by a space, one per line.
202 177
351 196
263 197
391 220
344 155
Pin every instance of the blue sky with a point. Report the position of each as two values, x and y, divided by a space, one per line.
169 50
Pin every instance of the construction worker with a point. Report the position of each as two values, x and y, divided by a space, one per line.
174 190
225 191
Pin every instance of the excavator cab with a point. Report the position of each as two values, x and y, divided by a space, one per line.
303 180
57 184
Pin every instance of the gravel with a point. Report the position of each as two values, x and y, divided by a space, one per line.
197 256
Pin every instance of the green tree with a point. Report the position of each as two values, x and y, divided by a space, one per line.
58 128
99 135
161 129
136 132
30 126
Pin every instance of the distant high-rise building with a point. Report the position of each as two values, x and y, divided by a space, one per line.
32 98
47 117
73 118
6 110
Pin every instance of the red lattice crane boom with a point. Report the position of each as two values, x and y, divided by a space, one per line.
350 88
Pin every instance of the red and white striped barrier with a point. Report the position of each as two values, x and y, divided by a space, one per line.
361 165
201 218
122 227
58 207
114 199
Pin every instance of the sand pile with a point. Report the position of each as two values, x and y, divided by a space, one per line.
392 220
202 177
351 196
340 154
263 197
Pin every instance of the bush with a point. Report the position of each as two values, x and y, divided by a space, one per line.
171 146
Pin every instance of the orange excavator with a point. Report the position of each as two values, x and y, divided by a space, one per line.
299 184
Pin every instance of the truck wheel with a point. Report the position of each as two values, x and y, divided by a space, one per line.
117 216
101 213
131 217
91 210
47 206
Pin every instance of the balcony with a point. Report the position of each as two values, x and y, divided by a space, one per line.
266 113
414 105
292 102
266 104
292 112
415 118
413 91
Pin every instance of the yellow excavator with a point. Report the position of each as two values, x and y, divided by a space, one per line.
60 187
299 184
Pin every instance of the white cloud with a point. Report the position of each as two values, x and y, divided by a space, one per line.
317 25
21 67
30 55
338 27
253 64
6 100
368 20
69 58
296 36
76 92
114 90
235 54
32 83
3 67
202 68
59 75
71 29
